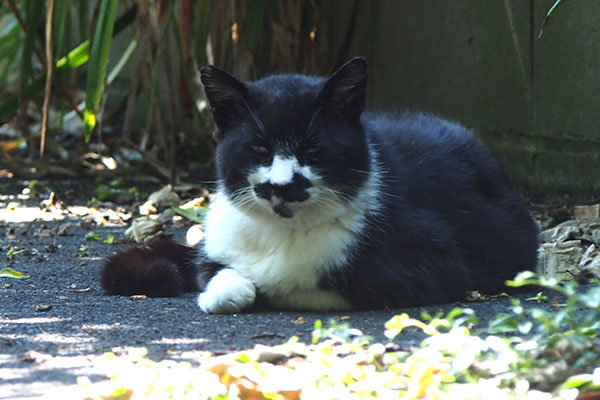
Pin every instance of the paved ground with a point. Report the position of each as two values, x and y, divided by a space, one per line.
55 324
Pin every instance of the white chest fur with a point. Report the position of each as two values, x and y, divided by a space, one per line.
278 255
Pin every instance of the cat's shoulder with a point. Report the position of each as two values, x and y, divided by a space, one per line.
416 127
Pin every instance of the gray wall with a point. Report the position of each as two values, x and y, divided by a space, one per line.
534 102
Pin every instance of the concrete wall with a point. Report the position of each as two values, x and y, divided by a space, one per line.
535 102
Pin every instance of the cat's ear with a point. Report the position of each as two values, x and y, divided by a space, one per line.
345 88
225 94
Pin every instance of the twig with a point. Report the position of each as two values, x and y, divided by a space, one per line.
49 74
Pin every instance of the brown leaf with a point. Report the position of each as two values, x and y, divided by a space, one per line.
587 211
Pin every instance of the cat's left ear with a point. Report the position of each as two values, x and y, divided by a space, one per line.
345 88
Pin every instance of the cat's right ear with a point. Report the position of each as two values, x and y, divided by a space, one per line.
226 96
345 88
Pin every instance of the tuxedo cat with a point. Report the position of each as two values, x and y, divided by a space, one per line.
320 206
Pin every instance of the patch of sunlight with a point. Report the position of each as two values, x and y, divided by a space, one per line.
17 213
35 320
57 338
165 340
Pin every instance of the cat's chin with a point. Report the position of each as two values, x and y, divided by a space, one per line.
283 210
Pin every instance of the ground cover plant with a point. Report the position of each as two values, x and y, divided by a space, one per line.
525 353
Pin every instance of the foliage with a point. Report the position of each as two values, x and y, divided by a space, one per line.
144 84
98 64
11 252
458 360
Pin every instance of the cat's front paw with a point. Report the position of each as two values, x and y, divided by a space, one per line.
227 292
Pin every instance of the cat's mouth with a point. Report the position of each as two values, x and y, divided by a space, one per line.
283 210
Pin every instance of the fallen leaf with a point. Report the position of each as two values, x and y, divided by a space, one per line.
590 262
587 211
559 260
63 229
11 273
141 228
164 197
299 320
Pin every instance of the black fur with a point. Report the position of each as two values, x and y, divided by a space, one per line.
159 269
450 222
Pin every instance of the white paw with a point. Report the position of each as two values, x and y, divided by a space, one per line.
227 292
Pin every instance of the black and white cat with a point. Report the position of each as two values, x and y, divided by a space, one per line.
320 206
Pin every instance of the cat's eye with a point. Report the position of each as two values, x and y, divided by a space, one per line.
311 150
260 149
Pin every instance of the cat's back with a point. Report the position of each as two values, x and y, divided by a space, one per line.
435 157
418 134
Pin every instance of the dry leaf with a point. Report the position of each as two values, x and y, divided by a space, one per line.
141 228
586 212
589 265
164 197
559 260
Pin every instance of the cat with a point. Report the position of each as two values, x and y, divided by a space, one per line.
321 206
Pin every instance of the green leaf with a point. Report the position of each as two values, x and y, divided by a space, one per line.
81 54
11 273
193 214
577 380
201 30
98 64
76 57
253 25
61 13
33 14
93 236
502 323
122 61
109 239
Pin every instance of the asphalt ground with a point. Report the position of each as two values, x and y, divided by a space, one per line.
55 324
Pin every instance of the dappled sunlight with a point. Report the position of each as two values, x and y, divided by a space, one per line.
34 320
16 213
59 338
165 340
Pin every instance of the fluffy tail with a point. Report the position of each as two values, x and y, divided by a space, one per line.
159 269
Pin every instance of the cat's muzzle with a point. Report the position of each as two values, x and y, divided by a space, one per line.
280 195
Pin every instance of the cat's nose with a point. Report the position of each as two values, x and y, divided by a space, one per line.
290 192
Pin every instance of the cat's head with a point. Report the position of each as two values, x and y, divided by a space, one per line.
290 144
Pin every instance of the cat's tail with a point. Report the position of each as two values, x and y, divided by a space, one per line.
159 269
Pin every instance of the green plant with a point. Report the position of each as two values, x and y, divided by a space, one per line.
91 236
82 251
11 252
96 74
525 354
167 44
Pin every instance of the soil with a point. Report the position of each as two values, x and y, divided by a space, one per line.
55 324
